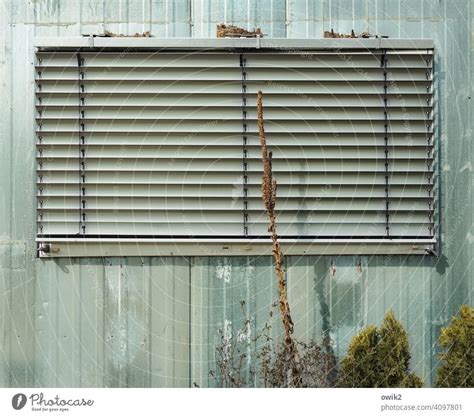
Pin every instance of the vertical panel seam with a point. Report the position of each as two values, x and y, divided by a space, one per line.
190 317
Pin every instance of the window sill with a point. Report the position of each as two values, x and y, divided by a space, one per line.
105 247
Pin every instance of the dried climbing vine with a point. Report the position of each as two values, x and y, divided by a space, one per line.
269 189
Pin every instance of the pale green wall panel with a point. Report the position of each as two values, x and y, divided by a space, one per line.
169 304
225 293
269 15
153 321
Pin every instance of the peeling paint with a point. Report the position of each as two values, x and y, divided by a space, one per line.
245 333
224 270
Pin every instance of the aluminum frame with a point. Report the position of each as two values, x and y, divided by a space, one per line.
283 44
88 247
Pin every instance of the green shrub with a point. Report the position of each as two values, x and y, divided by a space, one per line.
357 368
379 358
457 358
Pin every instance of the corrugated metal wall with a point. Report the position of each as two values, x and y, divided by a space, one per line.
152 322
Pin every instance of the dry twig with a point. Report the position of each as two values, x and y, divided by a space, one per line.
230 31
109 34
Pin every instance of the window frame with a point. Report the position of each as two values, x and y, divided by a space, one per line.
49 247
